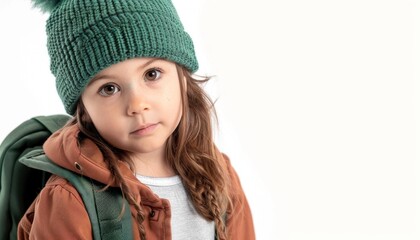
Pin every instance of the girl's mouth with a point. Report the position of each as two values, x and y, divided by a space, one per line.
145 129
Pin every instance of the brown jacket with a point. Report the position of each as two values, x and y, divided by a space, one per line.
59 213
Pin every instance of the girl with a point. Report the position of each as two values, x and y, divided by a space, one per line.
140 121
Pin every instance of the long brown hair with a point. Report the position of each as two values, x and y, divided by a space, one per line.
190 150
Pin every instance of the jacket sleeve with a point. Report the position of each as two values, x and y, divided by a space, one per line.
239 221
57 213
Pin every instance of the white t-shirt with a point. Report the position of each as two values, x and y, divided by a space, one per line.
186 223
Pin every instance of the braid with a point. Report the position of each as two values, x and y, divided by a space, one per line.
118 178
209 199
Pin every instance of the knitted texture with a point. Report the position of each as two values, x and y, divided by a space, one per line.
86 36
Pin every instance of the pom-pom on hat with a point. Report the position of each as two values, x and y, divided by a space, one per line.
86 36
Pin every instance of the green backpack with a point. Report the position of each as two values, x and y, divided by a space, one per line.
24 170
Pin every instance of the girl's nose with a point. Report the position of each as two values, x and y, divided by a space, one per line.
137 103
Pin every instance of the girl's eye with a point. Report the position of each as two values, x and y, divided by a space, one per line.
152 74
109 90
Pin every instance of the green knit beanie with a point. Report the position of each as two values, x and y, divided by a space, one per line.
86 36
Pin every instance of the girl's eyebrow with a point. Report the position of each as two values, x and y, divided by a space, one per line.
142 66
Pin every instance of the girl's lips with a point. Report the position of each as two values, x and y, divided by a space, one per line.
145 130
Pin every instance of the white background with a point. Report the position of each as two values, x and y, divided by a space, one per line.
318 103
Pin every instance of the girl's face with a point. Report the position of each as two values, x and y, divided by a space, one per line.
136 104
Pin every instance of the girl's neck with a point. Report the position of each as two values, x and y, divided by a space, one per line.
152 165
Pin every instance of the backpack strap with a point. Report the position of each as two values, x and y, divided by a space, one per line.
109 204
103 206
